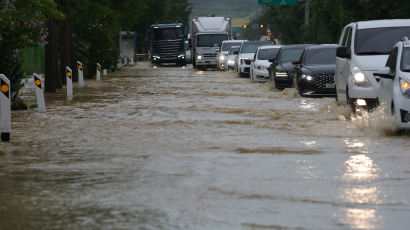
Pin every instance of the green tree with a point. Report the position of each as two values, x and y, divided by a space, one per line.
22 24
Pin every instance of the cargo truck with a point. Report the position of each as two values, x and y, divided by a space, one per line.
207 34
167 43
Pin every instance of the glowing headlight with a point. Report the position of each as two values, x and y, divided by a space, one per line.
281 74
199 57
359 79
309 78
156 57
222 58
304 76
231 62
181 56
405 88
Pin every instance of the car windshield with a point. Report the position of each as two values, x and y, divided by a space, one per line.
290 55
251 47
378 41
266 54
170 33
324 56
227 45
405 60
233 50
211 40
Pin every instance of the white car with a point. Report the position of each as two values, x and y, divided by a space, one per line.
259 66
230 60
364 48
221 59
246 55
394 90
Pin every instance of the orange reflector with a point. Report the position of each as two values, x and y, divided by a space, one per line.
98 67
4 88
38 82
68 74
80 66
405 85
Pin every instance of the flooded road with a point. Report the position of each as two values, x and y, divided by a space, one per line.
174 148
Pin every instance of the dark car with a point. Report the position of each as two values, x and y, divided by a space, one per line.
315 72
282 67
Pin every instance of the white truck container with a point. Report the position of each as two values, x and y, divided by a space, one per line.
207 34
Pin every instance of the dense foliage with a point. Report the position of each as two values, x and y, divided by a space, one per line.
85 30
22 24
327 18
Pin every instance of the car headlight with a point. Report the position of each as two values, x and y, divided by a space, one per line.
157 57
260 67
307 77
231 62
199 57
181 56
281 74
222 58
359 79
405 88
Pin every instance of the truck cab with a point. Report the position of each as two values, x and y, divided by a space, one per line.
207 34
167 43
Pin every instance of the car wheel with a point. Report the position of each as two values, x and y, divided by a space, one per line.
350 102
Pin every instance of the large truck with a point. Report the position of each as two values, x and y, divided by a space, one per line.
207 34
167 43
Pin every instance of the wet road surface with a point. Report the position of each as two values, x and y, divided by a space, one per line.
175 148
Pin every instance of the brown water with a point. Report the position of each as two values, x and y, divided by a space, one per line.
174 148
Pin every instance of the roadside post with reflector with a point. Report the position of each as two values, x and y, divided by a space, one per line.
98 71
5 113
80 73
41 106
69 77
104 72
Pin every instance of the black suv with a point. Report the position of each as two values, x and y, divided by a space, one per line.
315 72
282 67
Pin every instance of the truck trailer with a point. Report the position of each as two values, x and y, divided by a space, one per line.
167 43
207 34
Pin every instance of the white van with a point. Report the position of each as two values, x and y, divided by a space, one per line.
363 49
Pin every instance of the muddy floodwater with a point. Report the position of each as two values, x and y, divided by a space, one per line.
175 148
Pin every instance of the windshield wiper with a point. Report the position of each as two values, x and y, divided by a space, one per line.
371 53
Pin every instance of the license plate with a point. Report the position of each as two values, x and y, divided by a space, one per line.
330 85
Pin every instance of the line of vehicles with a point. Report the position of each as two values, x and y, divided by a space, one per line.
369 67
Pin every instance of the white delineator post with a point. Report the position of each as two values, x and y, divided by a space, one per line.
104 72
5 113
41 106
80 73
98 71
69 77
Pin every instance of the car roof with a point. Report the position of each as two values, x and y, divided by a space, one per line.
383 23
322 46
296 46
258 42
269 47
234 41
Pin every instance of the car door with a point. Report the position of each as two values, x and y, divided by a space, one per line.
386 85
343 65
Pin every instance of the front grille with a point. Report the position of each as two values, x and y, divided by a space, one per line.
168 48
320 80
210 55
248 62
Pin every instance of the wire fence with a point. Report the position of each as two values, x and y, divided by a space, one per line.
34 60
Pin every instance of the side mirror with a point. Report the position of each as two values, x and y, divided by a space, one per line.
385 73
272 60
296 62
343 52
236 52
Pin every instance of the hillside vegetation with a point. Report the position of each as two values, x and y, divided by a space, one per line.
234 8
